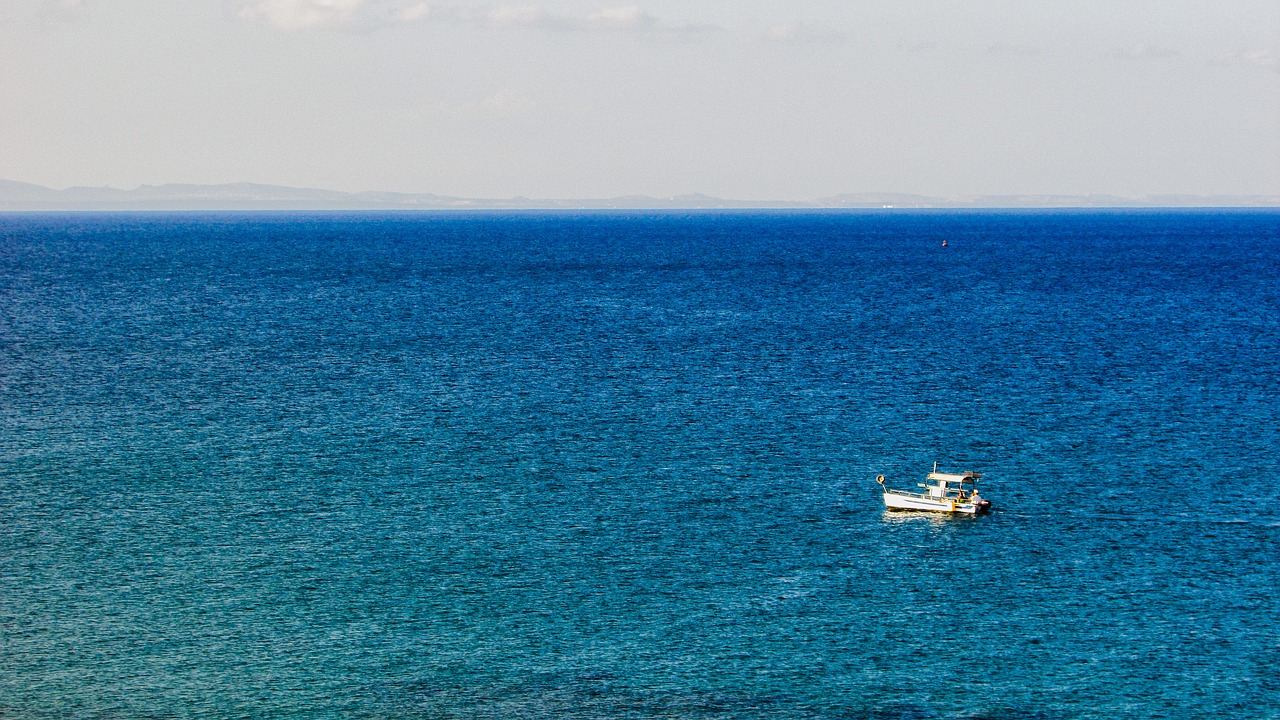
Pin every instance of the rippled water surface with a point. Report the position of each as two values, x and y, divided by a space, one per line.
622 466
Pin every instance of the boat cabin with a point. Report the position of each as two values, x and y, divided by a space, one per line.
950 485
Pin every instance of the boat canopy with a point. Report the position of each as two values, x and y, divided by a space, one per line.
951 477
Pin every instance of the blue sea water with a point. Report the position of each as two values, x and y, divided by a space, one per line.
610 465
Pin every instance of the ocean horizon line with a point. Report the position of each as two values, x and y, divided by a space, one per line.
21 196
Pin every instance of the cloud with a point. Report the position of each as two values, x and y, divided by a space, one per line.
1143 51
302 14
619 19
412 13
520 15
801 33
308 14
630 17
1265 58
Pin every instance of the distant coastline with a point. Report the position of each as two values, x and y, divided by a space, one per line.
19 196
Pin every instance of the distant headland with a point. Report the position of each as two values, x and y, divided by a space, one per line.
19 196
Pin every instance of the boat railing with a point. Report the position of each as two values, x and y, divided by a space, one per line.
951 495
930 496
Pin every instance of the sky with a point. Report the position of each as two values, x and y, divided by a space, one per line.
742 99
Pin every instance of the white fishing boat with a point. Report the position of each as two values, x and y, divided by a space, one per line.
943 492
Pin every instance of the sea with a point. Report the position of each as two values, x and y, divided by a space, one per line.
598 465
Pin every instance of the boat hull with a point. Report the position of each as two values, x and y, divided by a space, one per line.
896 501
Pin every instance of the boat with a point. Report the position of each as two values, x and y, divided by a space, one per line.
943 492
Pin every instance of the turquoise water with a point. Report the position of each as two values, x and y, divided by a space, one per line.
622 465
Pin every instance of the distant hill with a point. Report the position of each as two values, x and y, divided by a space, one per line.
253 196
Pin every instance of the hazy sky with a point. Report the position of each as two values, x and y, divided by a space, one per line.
745 99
